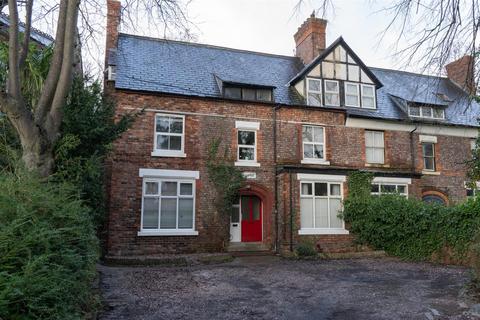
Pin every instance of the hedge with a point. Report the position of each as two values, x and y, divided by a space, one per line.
48 250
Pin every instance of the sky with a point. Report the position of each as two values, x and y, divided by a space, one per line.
269 25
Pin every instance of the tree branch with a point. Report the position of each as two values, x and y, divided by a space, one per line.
50 84
26 34
65 79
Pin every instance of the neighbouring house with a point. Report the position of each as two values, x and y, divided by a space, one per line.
295 126
38 37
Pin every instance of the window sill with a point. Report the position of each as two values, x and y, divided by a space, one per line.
167 233
246 164
431 173
378 165
323 231
169 154
314 161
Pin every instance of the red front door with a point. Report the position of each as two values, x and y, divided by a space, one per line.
251 207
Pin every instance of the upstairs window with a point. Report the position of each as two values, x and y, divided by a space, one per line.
314 92
247 145
248 94
428 151
332 95
374 147
352 94
426 112
169 135
368 96
313 143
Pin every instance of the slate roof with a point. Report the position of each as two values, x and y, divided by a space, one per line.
37 35
174 67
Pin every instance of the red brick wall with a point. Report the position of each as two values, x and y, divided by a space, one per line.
207 120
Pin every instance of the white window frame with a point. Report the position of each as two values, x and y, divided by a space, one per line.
391 181
249 127
323 144
475 190
423 116
358 94
326 92
374 147
314 91
434 160
168 153
373 96
380 184
159 176
322 178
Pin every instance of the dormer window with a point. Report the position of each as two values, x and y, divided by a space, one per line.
314 92
417 111
248 93
352 94
332 95
368 96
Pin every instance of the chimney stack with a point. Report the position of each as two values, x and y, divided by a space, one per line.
113 23
461 72
310 38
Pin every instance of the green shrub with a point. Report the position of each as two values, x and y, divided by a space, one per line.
409 228
305 249
48 250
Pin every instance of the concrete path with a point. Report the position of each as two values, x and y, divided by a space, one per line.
273 288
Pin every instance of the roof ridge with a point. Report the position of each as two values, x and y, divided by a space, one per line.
40 32
208 46
409 72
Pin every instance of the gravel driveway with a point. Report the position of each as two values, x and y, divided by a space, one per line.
272 288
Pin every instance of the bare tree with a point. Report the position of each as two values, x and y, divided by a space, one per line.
38 126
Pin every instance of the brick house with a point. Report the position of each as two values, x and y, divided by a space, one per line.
295 126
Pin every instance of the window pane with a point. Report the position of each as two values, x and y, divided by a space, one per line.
314 99
438 113
378 155
335 209
151 188
150 213
351 100
169 188
255 208
307 151
332 99
168 212
352 89
375 188
186 189
370 154
388 188
314 85
307 189
235 214
378 139
367 91
162 124
401 189
331 86
321 189
233 93
368 102
185 213
306 213
318 151
426 111
369 138
318 134
264 95
414 111
427 149
307 134
175 143
470 193
246 137
162 142
176 125
246 153
335 189
245 206
429 163
321 213
249 94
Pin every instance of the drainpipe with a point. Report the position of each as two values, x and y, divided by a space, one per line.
275 183
412 148
291 212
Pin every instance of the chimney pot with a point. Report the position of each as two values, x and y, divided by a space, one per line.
310 38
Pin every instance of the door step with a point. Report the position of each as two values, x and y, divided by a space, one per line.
248 247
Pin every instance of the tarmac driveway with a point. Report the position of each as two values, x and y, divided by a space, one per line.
272 288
